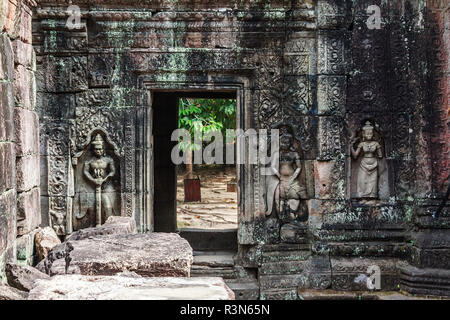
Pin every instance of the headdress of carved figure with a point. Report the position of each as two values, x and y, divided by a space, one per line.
97 144
367 131
98 141
286 138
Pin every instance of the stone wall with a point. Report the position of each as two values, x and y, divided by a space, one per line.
19 135
312 69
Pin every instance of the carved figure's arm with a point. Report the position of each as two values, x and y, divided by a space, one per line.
112 169
86 172
355 153
379 153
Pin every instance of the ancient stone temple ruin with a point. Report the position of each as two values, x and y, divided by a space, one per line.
88 105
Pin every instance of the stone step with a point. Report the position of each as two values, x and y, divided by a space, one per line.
204 271
211 239
214 259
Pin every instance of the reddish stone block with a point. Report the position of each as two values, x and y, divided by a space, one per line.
26 125
28 211
7 54
27 172
23 53
23 85
10 17
25 25
322 178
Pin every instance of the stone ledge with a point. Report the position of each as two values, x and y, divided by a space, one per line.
77 287
424 281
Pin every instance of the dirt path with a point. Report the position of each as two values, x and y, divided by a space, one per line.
218 208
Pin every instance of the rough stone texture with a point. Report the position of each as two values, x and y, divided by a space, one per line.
22 277
114 225
45 240
27 174
149 255
312 66
25 248
76 287
9 293
27 132
19 135
425 281
28 213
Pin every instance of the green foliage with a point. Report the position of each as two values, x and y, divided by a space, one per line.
206 115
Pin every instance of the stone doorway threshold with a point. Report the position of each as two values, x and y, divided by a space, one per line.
214 253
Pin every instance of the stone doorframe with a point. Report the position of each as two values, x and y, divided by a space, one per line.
247 190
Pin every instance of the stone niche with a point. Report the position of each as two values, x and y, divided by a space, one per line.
96 182
369 176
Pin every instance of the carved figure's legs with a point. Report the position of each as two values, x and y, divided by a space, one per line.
107 205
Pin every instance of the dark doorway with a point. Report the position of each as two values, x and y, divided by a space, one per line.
165 120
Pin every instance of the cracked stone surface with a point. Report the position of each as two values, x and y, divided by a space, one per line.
149 255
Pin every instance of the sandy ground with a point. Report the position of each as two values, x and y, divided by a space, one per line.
218 208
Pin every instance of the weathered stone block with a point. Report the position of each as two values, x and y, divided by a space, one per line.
23 277
331 95
244 289
332 14
6 112
150 255
114 225
331 54
23 53
23 87
10 17
77 287
283 267
28 211
25 249
45 240
26 125
65 74
278 294
7 57
284 281
3 13
330 180
7 220
7 164
27 172
290 233
24 25
331 138
427 281
9 293
352 273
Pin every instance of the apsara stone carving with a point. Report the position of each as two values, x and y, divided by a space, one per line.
369 149
285 191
